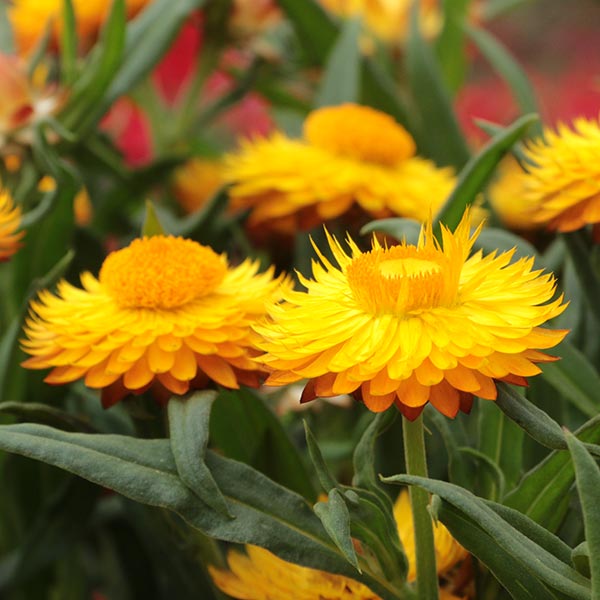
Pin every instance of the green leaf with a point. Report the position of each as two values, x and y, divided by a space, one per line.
189 419
493 238
445 143
542 564
336 519
326 479
340 79
479 169
450 45
7 42
36 412
314 27
508 68
148 37
83 107
578 247
68 45
511 573
207 219
491 468
152 225
266 514
575 378
244 428
399 228
364 458
587 476
580 557
540 490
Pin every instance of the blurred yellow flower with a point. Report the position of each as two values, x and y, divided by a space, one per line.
10 220
196 182
165 313
82 207
350 154
562 187
252 17
408 325
30 18
389 19
507 196
260 575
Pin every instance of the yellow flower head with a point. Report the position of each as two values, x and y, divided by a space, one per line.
507 196
165 313
196 182
389 19
350 154
29 19
10 219
562 188
260 575
412 324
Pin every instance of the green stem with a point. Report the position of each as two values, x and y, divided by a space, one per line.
416 464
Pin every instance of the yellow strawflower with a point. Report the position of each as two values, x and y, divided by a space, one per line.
260 575
10 220
350 154
165 313
196 182
30 18
562 188
408 325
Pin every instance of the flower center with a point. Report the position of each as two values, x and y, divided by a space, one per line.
359 132
161 272
397 280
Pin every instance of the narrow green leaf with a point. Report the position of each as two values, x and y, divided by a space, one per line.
36 412
450 44
148 37
364 457
511 573
580 557
541 489
508 68
266 514
493 238
433 102
587 476
336 519
479 169
340 79
575 378
314 27
7 42
491 468
152 225
542 564
189 419
399 228
68 44
326 479
578 247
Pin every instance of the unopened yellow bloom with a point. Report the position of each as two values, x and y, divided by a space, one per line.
165 313
30 18
196 182
413 324
350 154
562 188
260 575
10 220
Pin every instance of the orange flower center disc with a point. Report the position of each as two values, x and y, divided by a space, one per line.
161 272
359 132
397 280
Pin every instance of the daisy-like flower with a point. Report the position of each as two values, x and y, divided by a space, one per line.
165 313
29 19
350 154
260 575
196 182
10 220
562 187
408 325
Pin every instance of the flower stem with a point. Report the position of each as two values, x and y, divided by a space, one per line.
416 464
